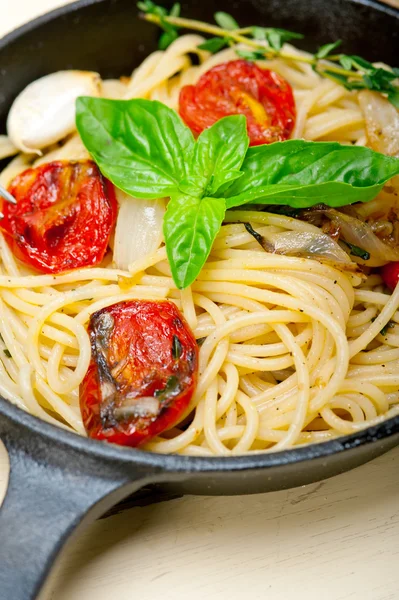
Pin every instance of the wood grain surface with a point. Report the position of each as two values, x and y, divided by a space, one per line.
335 540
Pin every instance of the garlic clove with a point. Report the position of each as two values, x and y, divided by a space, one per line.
44 112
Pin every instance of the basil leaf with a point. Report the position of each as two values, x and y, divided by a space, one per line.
222 180
142 146
220 151
226 21
190 227
193 185
325 50
302 174
213 45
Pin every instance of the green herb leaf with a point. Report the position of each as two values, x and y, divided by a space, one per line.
302 174
147 151
213 45
142 146
259 33
346 62
356 251
389 325
175 10
338 77
361 64
7 353
171 389
379 80
193 185
189 238
288 211
325 50
147 6
251 54
226 21
220 151
176 348
167 38
275 37
278 37
393 98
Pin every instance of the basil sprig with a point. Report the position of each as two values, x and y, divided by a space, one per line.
145 149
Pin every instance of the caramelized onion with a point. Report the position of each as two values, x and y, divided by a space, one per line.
360 234
307 244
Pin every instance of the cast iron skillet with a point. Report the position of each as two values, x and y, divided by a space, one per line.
60 480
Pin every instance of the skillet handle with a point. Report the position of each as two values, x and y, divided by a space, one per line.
52 491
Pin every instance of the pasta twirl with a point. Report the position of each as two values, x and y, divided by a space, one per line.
292 350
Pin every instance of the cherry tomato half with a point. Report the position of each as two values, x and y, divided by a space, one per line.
142 374
240 87
390 274
63 218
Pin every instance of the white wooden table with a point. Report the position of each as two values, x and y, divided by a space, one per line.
336 540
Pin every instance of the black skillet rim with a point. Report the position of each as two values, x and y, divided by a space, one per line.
171 462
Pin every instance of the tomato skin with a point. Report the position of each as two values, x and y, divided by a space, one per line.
390 274
63 218
241 87
134 357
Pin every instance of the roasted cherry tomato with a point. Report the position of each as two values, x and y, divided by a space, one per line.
63 218
390 274
240 87
142 374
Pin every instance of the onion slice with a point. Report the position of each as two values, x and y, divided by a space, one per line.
306 244
360 234
138 228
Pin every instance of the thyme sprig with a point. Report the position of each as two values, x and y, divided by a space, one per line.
266 43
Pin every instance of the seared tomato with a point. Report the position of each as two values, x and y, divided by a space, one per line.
240 87
63 218
142 374
390 274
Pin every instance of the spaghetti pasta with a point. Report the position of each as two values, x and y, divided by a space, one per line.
293 350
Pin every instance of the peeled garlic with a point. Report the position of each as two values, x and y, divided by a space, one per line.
44 112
